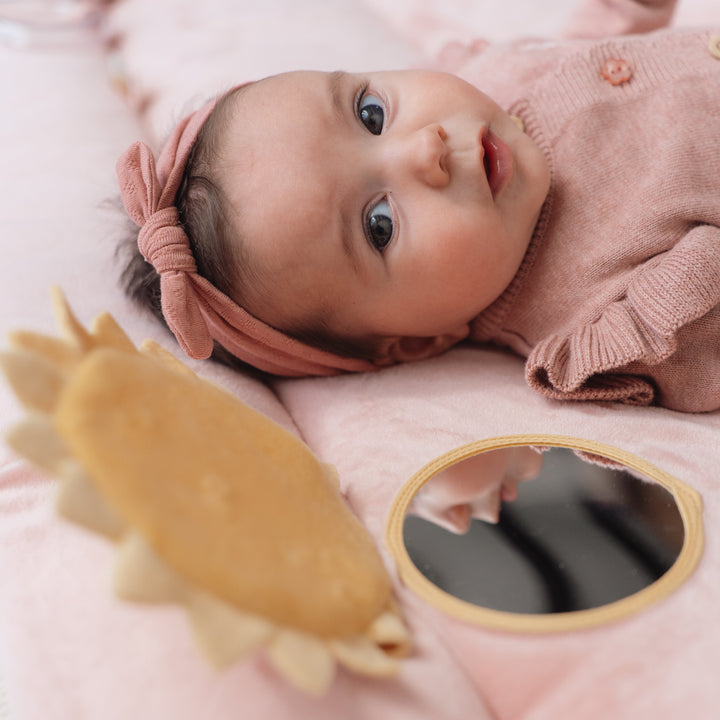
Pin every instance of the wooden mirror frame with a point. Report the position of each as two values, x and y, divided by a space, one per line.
689 505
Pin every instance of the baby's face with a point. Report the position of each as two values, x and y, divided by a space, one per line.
397 204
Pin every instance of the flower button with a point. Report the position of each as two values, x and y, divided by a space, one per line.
714 46
616 71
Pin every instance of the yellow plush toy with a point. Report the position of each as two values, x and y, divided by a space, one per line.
212 504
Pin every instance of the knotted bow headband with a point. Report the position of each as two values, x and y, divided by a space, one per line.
195 310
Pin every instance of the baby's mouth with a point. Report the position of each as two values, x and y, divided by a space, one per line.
486 164
497 161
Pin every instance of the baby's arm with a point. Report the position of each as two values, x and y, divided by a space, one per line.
648 330
608 18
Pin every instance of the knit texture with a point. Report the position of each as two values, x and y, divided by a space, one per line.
617 297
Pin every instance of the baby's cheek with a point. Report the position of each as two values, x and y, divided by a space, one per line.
460 254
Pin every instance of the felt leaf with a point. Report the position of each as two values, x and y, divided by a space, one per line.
69 325
158 352
62 354
36 380
226 634
389 632
140 575
362 655
304 660
36 439
80 502
107 333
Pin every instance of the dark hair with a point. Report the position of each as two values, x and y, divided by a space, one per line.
320 336
203 213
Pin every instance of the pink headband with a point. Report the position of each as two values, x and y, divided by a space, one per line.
196 311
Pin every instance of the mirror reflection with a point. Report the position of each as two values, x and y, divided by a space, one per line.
531 531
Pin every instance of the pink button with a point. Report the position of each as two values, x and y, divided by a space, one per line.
616 71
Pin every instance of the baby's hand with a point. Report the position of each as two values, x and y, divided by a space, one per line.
475 487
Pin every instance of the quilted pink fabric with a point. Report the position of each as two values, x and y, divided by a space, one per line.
69 650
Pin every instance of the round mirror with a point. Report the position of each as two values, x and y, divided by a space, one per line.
544 533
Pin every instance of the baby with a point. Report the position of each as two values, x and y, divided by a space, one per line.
313 223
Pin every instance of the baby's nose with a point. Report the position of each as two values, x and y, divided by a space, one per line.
426 155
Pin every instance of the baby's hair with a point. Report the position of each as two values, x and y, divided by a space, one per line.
216 244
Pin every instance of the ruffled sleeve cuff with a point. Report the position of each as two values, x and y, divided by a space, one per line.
672 291
557 372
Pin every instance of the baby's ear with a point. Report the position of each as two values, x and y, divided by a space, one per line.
410 349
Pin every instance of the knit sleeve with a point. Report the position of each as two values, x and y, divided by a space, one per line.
669 292
610 18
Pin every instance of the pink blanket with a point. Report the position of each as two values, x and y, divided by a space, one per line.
68 649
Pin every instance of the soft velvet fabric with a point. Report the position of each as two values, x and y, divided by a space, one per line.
68 649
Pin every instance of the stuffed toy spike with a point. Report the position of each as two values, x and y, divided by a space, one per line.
211 504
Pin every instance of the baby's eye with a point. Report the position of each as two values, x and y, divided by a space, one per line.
379 225
371 113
